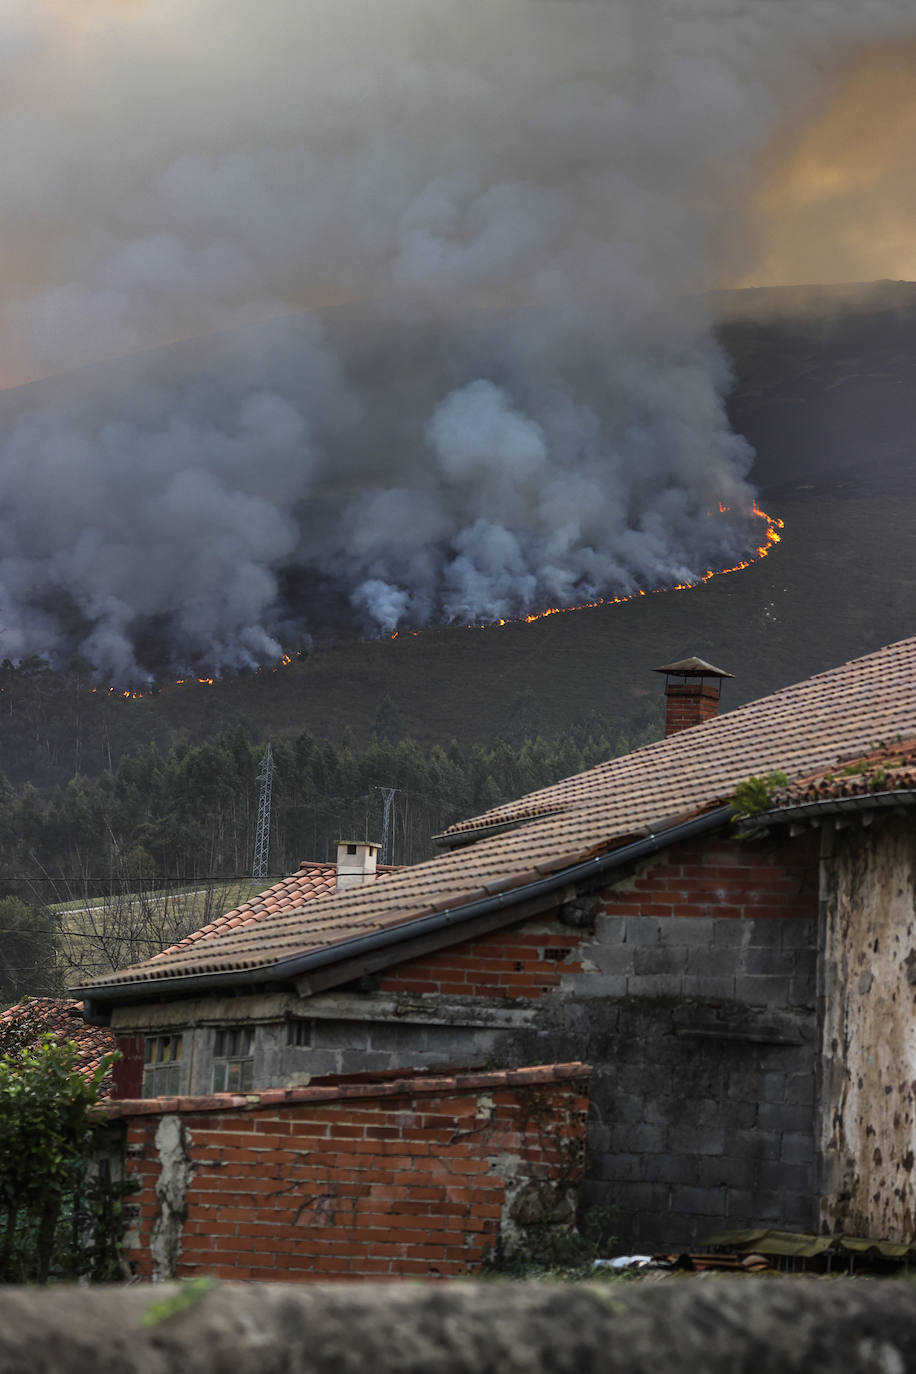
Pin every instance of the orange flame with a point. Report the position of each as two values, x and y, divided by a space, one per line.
770 539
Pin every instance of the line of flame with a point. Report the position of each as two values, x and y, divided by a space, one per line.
770 539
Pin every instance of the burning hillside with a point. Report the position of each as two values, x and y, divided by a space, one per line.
524 412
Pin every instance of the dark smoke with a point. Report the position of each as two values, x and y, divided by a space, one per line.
525 406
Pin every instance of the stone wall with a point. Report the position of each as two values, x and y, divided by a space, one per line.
868 990
773 1326
414 1177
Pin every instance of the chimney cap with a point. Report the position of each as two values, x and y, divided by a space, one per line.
693 667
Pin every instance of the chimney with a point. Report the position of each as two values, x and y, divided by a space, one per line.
692 689
356 860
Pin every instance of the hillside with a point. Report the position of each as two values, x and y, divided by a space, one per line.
825 389
825 381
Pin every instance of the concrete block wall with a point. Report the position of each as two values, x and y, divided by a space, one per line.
408 1178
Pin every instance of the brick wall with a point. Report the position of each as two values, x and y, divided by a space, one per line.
724 877
509 963
407 1178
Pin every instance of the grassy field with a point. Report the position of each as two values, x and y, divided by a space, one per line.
101 933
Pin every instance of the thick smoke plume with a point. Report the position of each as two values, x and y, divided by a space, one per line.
438 272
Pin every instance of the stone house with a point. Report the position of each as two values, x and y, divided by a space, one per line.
619 917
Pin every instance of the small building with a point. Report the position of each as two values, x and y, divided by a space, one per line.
620 918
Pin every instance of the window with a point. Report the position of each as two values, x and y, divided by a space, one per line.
233 1059
162 1067
298 1033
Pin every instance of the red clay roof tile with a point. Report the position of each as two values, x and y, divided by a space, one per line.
63 1019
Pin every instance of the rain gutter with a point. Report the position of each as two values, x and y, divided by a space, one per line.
831 806
296 965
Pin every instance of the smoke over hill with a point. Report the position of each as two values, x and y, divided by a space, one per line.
526 407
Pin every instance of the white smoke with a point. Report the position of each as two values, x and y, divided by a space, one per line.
524 408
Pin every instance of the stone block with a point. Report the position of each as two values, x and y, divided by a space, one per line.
643 930
715 989
757 1145
671 1168
801 992
773 1087
762 991
763 932
630 1109
654 985
797 1148
779 1117
768 1209
615 958
769 961
799 934
727 1170
710 961
649 959
704 1202
786 1178
728 933
600 985
617 1168
697 1140
639 1138
739 1207
610 930
799 1211
800 1089
648 1197
696 932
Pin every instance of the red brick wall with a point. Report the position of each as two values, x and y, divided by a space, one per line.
362 1180
725 877
517 962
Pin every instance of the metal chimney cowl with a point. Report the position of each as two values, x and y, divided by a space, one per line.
356 862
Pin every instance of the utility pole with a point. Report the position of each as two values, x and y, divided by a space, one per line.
387 799
262 837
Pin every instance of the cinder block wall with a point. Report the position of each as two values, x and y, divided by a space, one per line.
409 1178
690 988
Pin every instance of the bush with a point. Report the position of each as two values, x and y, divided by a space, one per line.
59 1216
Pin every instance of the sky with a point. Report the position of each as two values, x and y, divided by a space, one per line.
454 257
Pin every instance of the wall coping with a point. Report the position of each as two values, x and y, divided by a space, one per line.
405 1086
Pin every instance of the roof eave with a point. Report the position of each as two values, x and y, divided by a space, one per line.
294 966
830 806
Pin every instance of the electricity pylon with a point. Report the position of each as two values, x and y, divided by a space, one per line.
262 837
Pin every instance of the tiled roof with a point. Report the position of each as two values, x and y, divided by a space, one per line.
809 725
801 729
64 1020
890 768
310 880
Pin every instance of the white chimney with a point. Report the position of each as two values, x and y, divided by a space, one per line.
356 860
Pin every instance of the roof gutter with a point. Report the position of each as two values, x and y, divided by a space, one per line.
830 806
296 965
